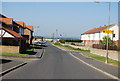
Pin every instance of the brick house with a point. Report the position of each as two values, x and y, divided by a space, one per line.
28 33
11 40
10 34
21 26
14 35
94 35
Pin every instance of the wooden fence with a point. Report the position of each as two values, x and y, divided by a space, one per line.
111 47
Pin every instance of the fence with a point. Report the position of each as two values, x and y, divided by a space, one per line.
98 46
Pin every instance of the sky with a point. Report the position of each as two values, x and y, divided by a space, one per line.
69 18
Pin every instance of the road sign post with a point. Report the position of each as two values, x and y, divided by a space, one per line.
108 32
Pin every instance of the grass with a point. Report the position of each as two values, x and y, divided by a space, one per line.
30 49
67 47
12 54
101 58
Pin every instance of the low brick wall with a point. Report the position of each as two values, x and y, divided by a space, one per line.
9 49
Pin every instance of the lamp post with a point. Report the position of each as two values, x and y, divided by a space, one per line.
109 3
56 34
53 37
38 29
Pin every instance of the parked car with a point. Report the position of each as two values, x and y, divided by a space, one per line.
37 43
43 44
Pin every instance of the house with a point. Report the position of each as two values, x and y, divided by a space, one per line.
28 33
11 41
94 35
11 36
7 22
15 36
13 25
21 26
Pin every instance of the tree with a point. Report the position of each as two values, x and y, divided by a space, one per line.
104 41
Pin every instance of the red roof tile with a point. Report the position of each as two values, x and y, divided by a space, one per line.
29 27
16 35
99 29
20 23
6 20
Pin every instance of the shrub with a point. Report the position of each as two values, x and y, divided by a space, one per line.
69 40
62 41
118 48
72 43
104 41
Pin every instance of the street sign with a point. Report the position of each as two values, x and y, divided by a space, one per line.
108 31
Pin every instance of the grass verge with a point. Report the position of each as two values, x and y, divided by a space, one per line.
12 54
101 58
67 47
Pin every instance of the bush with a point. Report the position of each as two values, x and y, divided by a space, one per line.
62 41
69 40
104 41
118 48
72 43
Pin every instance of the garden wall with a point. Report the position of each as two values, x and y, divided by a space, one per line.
9 49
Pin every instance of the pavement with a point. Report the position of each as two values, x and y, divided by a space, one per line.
56 64
111 69
8 63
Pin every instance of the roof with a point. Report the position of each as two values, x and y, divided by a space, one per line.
30 27
20 23
3 16
6 20
16 35
99 29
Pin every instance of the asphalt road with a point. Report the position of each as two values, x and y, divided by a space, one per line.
55 64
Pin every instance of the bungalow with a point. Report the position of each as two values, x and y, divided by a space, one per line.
94 35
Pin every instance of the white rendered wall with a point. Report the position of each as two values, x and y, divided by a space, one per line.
6 34
99 36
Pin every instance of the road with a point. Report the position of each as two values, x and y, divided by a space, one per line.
55 64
